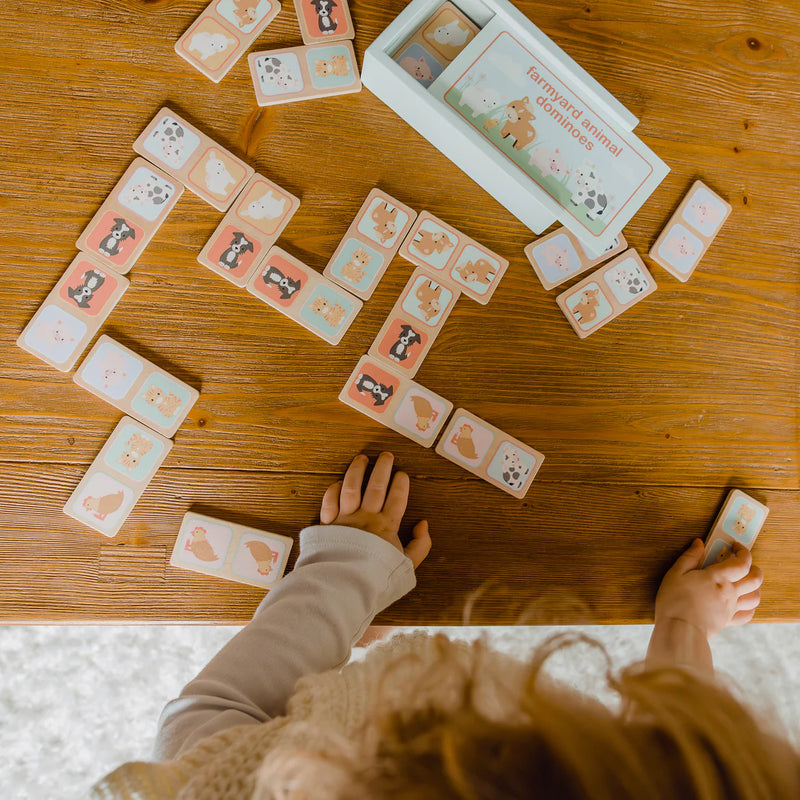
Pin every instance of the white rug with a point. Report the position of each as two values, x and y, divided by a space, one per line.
75 702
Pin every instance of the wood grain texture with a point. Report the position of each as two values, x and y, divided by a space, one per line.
644 425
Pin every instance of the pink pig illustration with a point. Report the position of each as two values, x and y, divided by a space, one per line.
417 68
705 213
678 247
549 162
556 256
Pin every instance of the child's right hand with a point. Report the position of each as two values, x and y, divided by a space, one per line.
710 599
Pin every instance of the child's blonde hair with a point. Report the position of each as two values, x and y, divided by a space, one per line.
674 736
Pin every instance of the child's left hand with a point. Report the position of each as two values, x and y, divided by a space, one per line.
380 510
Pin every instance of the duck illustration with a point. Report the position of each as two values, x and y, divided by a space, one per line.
199 546
463 441
264 557
101 507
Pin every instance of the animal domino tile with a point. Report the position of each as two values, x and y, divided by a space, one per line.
740 520
130 216
474 269
305 72
73 312
559 256
371 241
324 20
606 293
414 323
396 401
431 48
136 386
489 453
251 226
213 173
224 30
227 550
118 477
302 294
690 231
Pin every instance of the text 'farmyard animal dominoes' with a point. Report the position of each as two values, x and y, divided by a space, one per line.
559 256
414 323
136 386
324 20
302 294
690 231
213 173
118 476
130 216
395 401
227 550
606 293
224 30
303 73
489 453
472 268
252 225
73 312
740 520
368 246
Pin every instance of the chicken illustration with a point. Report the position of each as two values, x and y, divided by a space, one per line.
463 441
424 411
102 506
199 546
263 556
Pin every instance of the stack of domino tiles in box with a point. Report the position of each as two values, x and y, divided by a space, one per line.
324 66
621 283
449 264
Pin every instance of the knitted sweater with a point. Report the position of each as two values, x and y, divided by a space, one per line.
279 681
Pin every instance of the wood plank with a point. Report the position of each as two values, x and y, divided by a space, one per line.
568 552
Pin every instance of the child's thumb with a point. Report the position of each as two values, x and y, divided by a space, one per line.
420 545
691 558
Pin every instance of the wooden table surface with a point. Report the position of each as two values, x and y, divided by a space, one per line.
645 425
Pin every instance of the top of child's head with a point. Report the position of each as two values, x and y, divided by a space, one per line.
470 731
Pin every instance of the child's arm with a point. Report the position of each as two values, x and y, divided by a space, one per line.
307 624
695 604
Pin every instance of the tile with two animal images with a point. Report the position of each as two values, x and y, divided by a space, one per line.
606 293
560 255
73 312
235 552
130 216
303 73
117 477
740 520
414 322
213 173
299 292
690 231
136 386
224 30
252 225
368 246
467 264
435 43
489 453
324 20
396 401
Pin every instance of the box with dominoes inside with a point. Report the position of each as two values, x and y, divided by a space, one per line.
505 104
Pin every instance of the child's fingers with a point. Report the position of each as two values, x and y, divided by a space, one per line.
375 493
742 617
350 495
751 581
397 499
733 568
690 559
330 503
419 547
749 601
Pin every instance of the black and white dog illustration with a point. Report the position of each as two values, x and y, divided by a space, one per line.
239 245
324 8
286 286
379 393
91 282
407 338
120 231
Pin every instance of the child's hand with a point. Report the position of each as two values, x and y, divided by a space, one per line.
379 511
710 599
